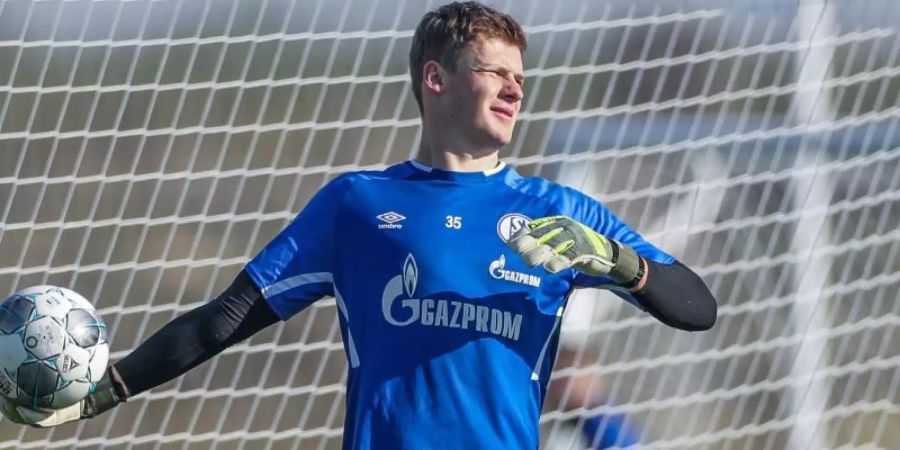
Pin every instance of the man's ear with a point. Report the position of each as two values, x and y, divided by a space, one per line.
433 77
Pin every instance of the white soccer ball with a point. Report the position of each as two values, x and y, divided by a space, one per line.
53 347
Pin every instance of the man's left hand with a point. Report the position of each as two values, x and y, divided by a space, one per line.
559 243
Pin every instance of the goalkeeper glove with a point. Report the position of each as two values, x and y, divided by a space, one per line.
560 243
109 392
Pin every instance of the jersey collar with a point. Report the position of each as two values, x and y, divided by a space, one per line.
430 173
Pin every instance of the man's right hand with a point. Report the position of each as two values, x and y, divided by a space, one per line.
41 418
105 396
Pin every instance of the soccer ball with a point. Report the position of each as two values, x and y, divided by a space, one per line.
53 347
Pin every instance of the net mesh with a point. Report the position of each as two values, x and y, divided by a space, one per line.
149 148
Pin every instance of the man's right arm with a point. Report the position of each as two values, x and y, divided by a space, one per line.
196 336
305 247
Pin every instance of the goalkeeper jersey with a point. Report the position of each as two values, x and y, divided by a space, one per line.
450 337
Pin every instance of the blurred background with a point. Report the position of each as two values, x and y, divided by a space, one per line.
149 148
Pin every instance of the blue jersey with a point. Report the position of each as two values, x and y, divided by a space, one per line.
450 336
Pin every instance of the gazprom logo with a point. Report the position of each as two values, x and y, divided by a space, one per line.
510 224
410 275
405 283
401 308
498 270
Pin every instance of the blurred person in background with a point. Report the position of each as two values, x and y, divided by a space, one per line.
574 387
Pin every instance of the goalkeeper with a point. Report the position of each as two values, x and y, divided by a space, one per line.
451 272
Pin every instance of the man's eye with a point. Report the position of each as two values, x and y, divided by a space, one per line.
501 74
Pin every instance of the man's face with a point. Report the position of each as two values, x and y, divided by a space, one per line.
485 93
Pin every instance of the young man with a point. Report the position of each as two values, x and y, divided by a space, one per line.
449 293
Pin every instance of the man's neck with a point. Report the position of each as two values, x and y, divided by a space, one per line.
454 160
458 162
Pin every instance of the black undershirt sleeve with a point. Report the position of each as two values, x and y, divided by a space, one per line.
677 297
196 336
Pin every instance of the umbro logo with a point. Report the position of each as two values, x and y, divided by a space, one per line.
391 220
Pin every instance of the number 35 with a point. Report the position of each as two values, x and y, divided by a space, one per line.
454 222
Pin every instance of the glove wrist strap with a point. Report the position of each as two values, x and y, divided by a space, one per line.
110 391
638 282
629 268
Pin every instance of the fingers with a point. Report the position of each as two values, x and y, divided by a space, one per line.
33 417
544 221
559 243
557 263
9 410
28 416
21 414
56 417
592 265
549 230
547 227
542 242
532 251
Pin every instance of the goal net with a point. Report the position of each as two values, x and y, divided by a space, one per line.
149 148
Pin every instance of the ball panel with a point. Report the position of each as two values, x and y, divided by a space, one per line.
12 352
104 333
84 327
72 363
52 303
44 338
77 300
37 380
98 363
7 385
14 313
70 394
34 402
34 291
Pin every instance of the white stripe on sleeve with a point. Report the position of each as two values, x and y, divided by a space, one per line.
342 307
540 361
296 281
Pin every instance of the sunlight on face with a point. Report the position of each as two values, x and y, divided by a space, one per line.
486 92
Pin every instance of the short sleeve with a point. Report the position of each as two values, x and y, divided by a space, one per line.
296 268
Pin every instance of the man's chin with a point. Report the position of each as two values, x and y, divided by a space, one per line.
501 138
498 142
493 138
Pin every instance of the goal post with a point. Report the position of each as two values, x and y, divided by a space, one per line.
149 148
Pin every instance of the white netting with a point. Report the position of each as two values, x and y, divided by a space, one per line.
149 148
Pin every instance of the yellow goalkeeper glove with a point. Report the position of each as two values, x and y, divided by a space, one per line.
559 243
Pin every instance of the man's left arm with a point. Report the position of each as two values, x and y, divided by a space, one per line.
671 292
676 296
